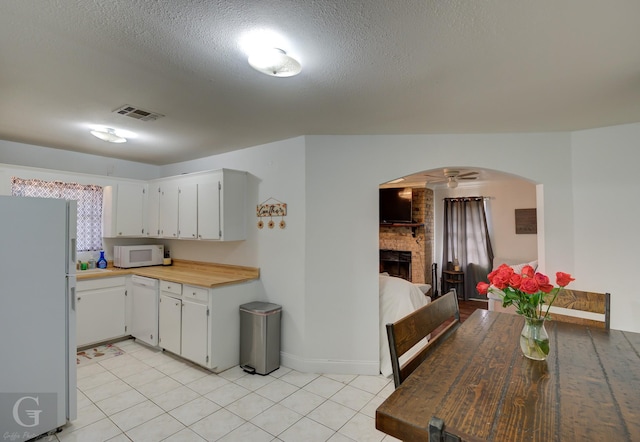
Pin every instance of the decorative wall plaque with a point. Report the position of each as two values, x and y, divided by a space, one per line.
526 221
270 208
273 209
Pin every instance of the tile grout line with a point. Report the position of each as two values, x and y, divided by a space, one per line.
232 380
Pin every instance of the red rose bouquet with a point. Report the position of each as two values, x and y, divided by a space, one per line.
528 291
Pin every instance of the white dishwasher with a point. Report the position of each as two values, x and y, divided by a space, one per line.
144 309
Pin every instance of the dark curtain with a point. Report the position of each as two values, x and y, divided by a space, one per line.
466 237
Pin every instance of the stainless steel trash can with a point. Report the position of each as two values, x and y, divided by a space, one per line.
260 337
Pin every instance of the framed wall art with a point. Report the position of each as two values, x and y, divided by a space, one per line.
526 221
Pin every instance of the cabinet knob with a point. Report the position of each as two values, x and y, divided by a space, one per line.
79 298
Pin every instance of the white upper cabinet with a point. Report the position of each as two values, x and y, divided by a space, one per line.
214 204
209 209
188 210
233 205
209 205
204 205
124 210
153 204
169 209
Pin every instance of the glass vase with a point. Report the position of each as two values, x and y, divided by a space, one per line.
534 340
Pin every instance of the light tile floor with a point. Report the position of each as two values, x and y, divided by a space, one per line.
147 395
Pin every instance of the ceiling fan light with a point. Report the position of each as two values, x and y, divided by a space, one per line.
452 183
275 62
108 134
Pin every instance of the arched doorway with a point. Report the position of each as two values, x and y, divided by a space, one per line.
505 194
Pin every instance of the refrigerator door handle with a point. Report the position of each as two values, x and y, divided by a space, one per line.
74 251
72 237
71 291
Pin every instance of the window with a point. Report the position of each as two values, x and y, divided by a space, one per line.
466 238
89 198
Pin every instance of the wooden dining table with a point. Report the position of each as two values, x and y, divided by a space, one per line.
484 389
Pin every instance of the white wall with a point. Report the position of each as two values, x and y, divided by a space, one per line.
323 267
9 170
343 175
19 154
606 213
276 170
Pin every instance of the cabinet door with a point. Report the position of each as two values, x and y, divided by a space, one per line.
169 333
130 210
169 210
188 211
153 214
100 315
233 209
209 210
195 331
144 314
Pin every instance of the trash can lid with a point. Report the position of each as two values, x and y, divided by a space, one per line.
260 307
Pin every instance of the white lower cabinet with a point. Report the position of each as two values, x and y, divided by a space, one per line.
170 323
184 321
224 322
203 324
100 310
144 309
195 331
197 323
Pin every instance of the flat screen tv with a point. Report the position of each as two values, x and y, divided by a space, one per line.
395 205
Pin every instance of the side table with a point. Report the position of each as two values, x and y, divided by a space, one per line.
453 279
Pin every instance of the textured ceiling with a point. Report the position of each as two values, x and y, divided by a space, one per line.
369 67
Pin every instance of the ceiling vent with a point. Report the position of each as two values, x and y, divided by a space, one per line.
137 113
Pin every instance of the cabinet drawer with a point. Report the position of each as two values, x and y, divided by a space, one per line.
99 283
171 287
195 293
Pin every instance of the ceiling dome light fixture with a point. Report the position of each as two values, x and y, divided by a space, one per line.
275 62
108 134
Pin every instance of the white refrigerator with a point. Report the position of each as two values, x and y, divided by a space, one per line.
37 315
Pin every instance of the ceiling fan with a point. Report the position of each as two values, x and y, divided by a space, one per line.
451 177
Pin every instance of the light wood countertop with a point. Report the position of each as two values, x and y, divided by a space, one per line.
202 274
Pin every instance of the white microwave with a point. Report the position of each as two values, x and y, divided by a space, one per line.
138 256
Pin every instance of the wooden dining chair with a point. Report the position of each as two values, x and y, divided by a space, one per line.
591 302
405 333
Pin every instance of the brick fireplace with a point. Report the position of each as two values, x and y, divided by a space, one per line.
416 241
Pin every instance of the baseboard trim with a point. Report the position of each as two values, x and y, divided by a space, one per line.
329 366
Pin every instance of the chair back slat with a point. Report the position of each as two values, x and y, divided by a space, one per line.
584 301
405 333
